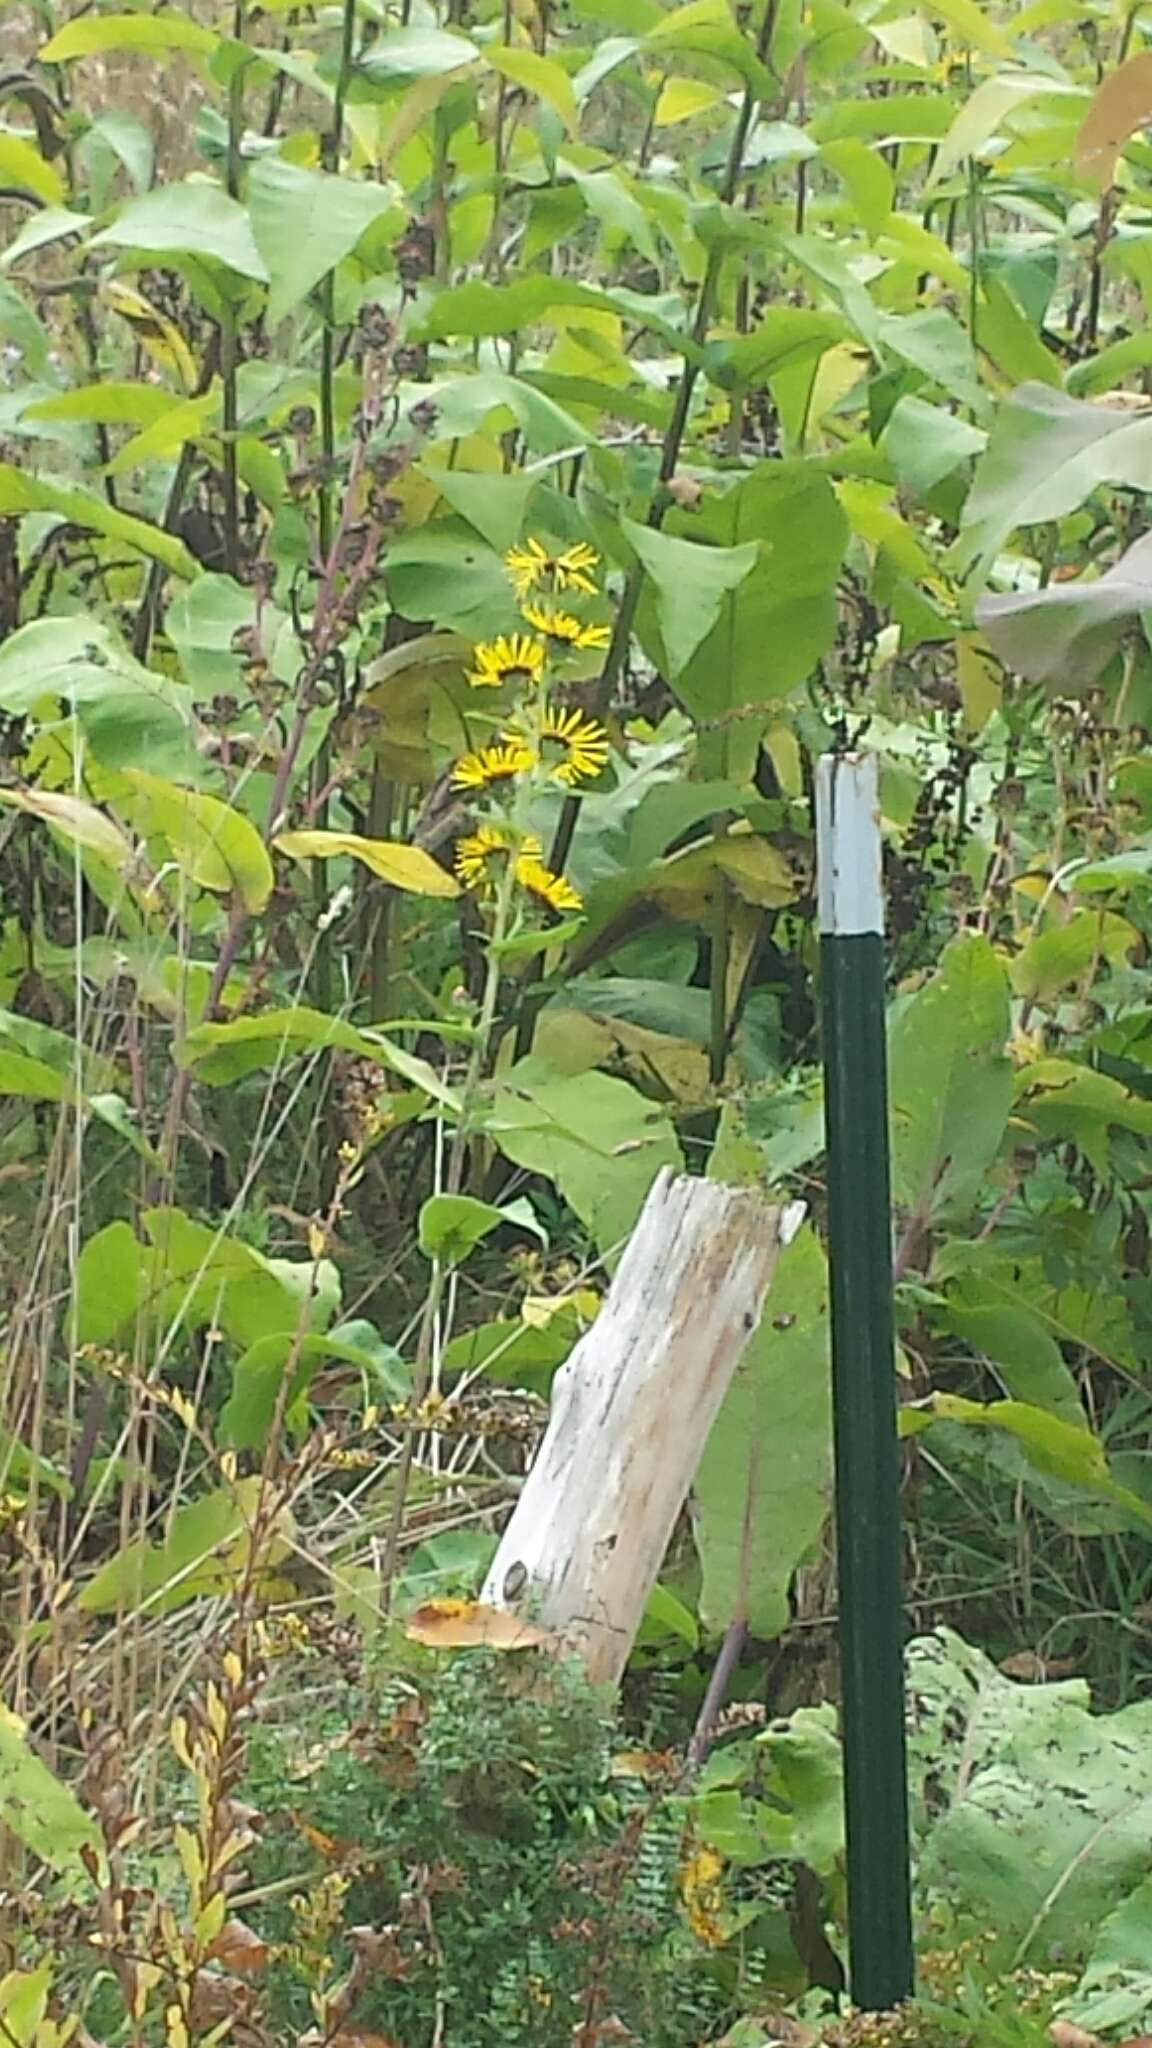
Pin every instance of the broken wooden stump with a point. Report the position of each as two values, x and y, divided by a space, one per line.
631 1410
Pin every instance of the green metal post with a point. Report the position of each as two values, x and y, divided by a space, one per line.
863 1379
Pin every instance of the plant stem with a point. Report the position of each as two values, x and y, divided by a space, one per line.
422 1367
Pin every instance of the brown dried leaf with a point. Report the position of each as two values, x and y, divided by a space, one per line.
1063 2034
1030 1666
470 1625
240 1949
1121 104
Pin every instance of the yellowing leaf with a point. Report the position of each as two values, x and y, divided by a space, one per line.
979 678
401 866
470 1625
22 164
700 1875
1121 104
541 76
217 847
680 98
76 819
158 336
90 35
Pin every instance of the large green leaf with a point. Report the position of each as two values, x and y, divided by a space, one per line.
762 1488
770 626
222 1052
1033 1814
35 1806
21 492
211 842
190 218
688 585
1058 1448
406 54
1046 455
1066 633
127 712
189 1274
93 34
951 1082
596 1137
206 1551
258 1378
305 222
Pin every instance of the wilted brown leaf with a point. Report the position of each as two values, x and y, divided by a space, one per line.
1063 2034
240 1949
469 1625
1030 1666
1121 104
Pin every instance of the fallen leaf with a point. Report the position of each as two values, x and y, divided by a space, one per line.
470 1625
1121 104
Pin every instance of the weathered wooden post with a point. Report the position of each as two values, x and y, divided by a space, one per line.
631 1410
864 1390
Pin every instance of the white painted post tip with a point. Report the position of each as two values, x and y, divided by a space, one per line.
848 883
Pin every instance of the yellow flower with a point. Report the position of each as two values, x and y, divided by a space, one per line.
540 882
513 657
571 570
564 627
492 764
584 745
480 855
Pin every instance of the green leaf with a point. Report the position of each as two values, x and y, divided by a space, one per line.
543 77
206 1551
772 628
1027 1357
36 1807
21 492
757 1513
924 444
666 1615
115 404
1064 954
1060 1449
491 399
784 336
707 28
123 708
451 1225
210 841
408 53
689 585
867 178
189 1274
247 1417
305 223
1066 634
951 1082
189 218
222 1052
94 34
1046 455
595 1137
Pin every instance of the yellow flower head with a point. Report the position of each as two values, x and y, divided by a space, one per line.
540 882
564 627
579 743
572 570
481 855
492 764
513 657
